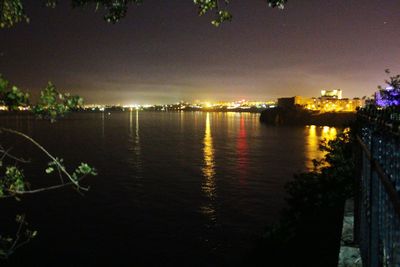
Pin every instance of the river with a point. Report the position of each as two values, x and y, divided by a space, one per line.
173 189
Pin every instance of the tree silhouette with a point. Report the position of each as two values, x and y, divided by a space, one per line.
12 11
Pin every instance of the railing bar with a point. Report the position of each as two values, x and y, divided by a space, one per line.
365 148
394 198
388 186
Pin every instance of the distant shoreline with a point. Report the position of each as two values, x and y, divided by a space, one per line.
143 110
297 116
274 116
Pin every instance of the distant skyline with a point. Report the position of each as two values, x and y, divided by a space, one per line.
162 52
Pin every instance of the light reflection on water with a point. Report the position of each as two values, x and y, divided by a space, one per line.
208 169
242 151
102 126
134 140
209 183
314 136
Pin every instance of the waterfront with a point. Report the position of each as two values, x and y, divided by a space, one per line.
174 188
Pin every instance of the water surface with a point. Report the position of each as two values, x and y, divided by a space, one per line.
174 189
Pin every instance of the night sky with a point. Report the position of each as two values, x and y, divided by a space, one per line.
162 52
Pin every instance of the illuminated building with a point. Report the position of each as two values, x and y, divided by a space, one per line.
329 101
331 94
334 105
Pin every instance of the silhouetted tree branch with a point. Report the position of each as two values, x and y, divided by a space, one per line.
13 12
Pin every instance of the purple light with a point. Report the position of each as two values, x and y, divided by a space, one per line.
394 98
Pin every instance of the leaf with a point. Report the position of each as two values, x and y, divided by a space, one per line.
34 233
49 170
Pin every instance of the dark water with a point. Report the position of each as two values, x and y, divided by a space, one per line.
174 189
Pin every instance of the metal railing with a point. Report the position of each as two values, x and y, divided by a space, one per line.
378 211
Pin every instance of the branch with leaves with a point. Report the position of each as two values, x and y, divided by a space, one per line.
13 12
51 106
13 184
23 236
389 95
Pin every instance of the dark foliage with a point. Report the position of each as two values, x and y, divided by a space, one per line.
12 11
389 95
308 233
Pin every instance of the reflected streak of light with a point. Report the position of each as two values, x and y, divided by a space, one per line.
313 142
209 164
208 185
102 125
231 121
137 127
242 150
134 138
312 147
329 133
130 123
181 120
